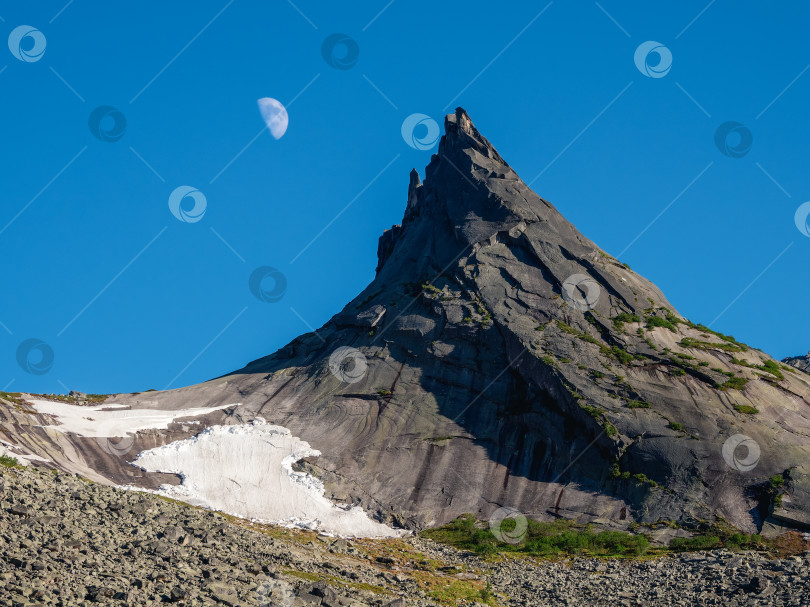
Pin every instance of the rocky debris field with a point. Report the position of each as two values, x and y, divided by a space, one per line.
67 541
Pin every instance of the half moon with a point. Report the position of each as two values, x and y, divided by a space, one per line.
274 115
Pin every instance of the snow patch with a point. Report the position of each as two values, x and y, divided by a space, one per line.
112 420
246 470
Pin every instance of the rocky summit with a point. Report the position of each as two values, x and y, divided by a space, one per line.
499 358
800 362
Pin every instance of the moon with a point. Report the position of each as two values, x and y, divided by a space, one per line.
274 115
802 218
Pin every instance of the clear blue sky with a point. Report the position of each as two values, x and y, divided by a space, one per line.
540 88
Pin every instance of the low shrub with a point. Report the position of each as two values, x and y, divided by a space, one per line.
620 319
735 383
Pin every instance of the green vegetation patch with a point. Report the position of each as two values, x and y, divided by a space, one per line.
461 591
720 536
566 328
599 415
438 439
620 319
590 339
9 462
733 383
768 366
616 352
642 478
746 409
621 355
774 487
726 338
688 342
66 398
561 537
657 321
12 397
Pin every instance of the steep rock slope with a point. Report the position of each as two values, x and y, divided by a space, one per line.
500 358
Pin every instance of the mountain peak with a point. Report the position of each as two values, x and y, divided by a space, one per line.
460 133
501 358
506 282
459 121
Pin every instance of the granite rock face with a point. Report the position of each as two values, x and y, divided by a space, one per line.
500 358
800 362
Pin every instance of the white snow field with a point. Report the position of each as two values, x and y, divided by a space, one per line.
112 420
246 470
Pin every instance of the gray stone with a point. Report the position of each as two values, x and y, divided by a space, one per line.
472 332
